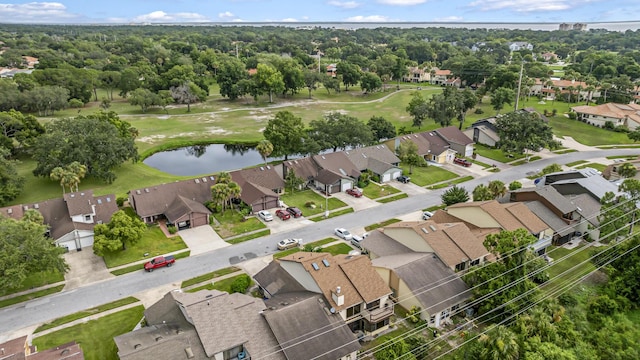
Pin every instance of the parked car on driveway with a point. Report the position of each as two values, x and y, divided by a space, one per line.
403 179
355 192
461 161
288 243
283 215
265 215
294 211
343 233
426 215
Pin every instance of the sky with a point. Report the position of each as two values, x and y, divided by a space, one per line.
173 11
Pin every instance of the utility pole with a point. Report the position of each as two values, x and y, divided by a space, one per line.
236 50
519 84
319 61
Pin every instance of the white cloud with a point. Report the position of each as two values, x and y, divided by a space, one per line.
36 12
344 4
527 5
402 2
161 16
226 14
289 20
449 19
370 18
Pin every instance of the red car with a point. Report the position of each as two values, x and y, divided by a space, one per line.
354 192
159 262
463 162
283 215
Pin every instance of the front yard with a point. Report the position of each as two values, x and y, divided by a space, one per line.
233 223
153 243
423 176
301 199
496 154
35 280
374 191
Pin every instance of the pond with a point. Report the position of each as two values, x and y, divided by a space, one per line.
205 159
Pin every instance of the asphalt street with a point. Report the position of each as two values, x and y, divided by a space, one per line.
45 309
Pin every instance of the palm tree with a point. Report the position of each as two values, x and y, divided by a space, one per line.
219 195
497 188
58 174
606 86
79 171
233 191
482 193
265 148
499 344
224 177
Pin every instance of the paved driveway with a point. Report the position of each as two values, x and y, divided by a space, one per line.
202 239
356 203
84 268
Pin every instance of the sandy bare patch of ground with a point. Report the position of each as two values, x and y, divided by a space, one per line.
225 109
164 117
211 117
218 131
182 134
340 111
151 138
261 130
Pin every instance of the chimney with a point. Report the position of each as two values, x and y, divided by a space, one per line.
337 296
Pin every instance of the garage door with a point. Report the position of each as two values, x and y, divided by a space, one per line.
386 177
86 241
396 174
70 245
346 185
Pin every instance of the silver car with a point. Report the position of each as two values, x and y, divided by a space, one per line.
343 233
265 215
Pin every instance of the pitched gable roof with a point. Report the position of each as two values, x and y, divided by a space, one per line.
363 276
494 209
552 196
304 168
306 330
362 157
155 200
612 110
257 184
337 162
182 206
380 244
79 203
433 284
549 217
528 218
453 135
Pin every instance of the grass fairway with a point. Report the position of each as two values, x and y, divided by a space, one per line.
96 336
153 242
423 176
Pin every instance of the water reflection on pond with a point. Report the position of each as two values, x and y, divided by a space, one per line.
205 159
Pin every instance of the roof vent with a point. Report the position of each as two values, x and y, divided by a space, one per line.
72 195
338 289
325 262
108 199
204 179
189 353
138 192
137 346
197 181
81 194
9 211
332 310
99 202
158 338
324 158
146 190
26 208
433 228
424 230
36 206
315 266
212 178
261 168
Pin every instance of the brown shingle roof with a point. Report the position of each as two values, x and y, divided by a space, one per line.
253 192
79 203
68 351
182 206
338 162
453 135
155 200
506 220
363 277
304 168
529 219
14 346
360 157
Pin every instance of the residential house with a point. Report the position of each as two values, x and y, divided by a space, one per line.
636 94
19 349
438 76
627 115
304 168
332 70
207 324
453 242
611 171
421 280
260 186
70 219
547 88
455 82
381 161
350 286
416 75
326 335
336 172
181 203
491 214
30 62
520 45
484 132
549 56
430 146
457 140
6 72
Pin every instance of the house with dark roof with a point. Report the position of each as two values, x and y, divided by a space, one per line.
19 349
260 186
70 219
484 132
458 141
180 202
189 326
349 285
381 161
430 146
423 281
336 172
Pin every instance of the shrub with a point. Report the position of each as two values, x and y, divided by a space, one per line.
240 284
621 129
76 104
310 204
515 185
414 315
609 125
479 111
172 229
573 115
120 200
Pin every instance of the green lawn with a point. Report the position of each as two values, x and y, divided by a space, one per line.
209 276
423 176
586 134
96 336
233 223
337 249
248 237
33 295
374 191
332 214
524 161
496 154
576 256
35 280
597 166
222 285
312 245
579 162
393 198
452 182
85 313
154 242
300 199
381 224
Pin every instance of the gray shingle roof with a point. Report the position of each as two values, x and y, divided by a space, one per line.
361 157
549 217
182 206
453 135
382 245
155 200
